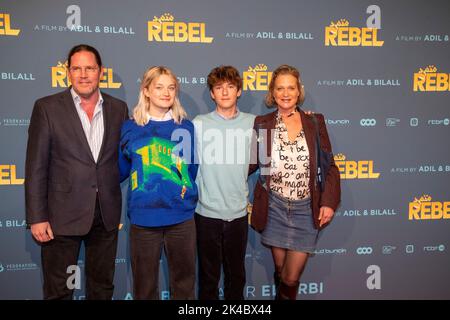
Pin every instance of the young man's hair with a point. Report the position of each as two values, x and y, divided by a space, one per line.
223 74
84 47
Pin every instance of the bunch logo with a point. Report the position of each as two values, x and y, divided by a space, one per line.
341 34
331 251
429 79
256 78
60 78
5 26
349 169
8 175
424 209
337 122
165 29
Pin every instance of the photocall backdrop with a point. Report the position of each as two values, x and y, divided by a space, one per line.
378 71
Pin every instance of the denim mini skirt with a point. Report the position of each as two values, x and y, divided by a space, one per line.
290 225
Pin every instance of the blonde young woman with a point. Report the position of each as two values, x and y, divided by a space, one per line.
156 153
289 208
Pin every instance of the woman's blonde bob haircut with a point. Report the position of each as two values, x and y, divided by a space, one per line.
283 70
142 108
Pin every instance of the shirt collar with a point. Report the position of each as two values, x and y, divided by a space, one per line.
230 118
167 116
77 99
297 109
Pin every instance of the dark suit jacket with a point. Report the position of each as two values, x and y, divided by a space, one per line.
330 197
61 176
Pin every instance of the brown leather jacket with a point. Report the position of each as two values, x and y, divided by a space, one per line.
330 197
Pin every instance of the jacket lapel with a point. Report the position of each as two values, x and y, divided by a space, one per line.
106 110
269 126
310 135
75 122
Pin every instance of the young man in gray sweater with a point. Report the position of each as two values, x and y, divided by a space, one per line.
223 145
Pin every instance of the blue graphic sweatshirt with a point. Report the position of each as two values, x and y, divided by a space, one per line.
159 160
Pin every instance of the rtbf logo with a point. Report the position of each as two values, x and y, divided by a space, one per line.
362 169
340 34
256 78
424 209
5 26
165 29
429 79
61 80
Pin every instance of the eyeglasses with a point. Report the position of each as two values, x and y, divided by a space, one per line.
78 70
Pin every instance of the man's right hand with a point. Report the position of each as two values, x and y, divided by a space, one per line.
42 231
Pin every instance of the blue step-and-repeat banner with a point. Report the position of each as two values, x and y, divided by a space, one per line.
378 71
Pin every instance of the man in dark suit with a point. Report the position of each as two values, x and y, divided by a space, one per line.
72 187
